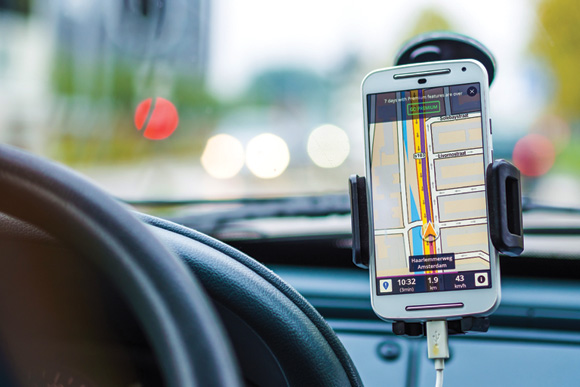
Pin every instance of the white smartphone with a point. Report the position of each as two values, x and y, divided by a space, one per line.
428 143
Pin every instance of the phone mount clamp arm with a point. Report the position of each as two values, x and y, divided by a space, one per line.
505 225
504 203
502 178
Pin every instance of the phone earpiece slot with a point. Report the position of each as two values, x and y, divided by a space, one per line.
422 74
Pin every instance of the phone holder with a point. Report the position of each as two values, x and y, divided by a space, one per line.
454 327
502 179
504 203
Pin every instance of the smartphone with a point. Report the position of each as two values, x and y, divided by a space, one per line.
428 143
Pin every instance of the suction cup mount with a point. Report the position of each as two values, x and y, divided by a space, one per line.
437 46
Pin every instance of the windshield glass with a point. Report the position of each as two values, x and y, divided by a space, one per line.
180 99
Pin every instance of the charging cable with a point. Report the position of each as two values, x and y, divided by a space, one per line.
438 347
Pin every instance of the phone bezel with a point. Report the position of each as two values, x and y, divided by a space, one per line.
475 301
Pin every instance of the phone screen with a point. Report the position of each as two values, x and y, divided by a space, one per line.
428 190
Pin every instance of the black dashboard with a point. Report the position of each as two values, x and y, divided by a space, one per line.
535 330
89 336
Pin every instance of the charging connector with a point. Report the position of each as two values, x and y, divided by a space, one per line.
438 346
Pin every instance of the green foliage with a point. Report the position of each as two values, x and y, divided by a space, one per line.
430 19
122 89
124 143
557 41
73 77
107 133
569 159
287 85
63 73
191 94
19 6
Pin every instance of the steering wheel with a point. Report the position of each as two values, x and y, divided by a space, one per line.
270 316
142 263
184 332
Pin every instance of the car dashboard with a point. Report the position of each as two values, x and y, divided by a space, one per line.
534 332
534 337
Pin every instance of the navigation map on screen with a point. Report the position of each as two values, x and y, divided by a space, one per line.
429 203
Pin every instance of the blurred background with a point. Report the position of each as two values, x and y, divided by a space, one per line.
195 99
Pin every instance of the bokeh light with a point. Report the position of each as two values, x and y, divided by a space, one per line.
328 146
267 156
534 155
159 118
223 156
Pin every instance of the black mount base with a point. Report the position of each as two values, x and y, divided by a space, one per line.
454 327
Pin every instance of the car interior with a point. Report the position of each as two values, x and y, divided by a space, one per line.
175 204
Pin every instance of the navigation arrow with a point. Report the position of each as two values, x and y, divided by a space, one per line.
429 233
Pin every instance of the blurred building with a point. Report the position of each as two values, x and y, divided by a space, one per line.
67 66
175 32
24 76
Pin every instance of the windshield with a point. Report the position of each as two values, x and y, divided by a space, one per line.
178 99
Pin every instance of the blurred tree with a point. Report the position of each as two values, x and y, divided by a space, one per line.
557 40
430 19
287 86
190 92
20 6
295 91
68 70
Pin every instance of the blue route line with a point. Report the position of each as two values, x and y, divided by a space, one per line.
417 241
414 211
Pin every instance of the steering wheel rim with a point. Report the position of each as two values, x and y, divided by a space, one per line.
182 328
306 349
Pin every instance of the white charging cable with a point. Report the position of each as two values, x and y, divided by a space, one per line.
438 347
